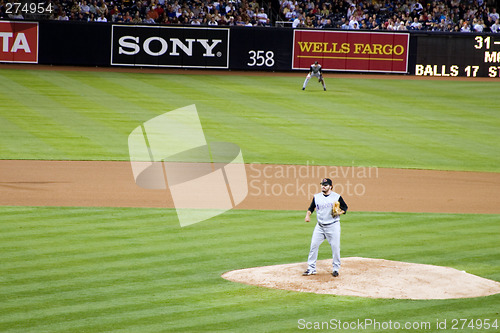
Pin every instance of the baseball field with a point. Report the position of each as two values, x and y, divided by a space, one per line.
83 249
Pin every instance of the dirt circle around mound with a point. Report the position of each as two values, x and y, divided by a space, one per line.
372 278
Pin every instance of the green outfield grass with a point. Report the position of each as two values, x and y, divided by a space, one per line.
136 270
450 125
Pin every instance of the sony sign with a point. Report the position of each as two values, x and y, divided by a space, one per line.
170 46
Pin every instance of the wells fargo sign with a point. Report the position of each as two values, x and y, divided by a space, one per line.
351 51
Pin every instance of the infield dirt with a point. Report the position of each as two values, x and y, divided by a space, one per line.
273 187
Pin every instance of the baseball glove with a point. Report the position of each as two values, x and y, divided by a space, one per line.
336 211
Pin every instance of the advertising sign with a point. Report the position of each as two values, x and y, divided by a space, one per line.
170 46
351 51
18 42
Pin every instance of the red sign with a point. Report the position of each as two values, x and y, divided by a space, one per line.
351 51
18 42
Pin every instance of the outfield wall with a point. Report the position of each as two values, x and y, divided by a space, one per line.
244 48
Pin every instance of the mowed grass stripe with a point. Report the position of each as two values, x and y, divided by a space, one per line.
218 118
421 129
387 137
123 96
362 110
437 113
85 247
418 129
57 125
147 319
145 95
73 109
291 133
14 133
45 136
434 236
162 274
105 106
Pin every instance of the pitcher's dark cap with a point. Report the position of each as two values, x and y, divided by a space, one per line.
326 181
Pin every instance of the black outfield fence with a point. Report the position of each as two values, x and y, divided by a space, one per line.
250 48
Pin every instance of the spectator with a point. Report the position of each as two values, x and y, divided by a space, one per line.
325 12
114 13
62 16
137 18
495 28
416 25
328 24
75 9
127 18
494 15
298 22
159 9
212 21
390 25
119 18
102 18
345 24
417 7
262 16
398 23
239 21
93 8
465 27
102 11
351 10
478 25
286 13
403 26
151 15
352 21
254 5
309 23
84 9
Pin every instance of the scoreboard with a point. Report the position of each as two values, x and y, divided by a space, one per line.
458 54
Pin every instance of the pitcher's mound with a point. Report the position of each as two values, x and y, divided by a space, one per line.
376 278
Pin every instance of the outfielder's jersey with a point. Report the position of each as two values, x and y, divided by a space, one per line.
315 70
324 206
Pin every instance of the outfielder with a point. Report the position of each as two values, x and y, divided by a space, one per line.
329 206
314 70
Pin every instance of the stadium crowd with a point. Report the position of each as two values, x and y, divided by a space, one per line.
449 15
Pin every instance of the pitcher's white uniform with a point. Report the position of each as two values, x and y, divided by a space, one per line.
328 227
